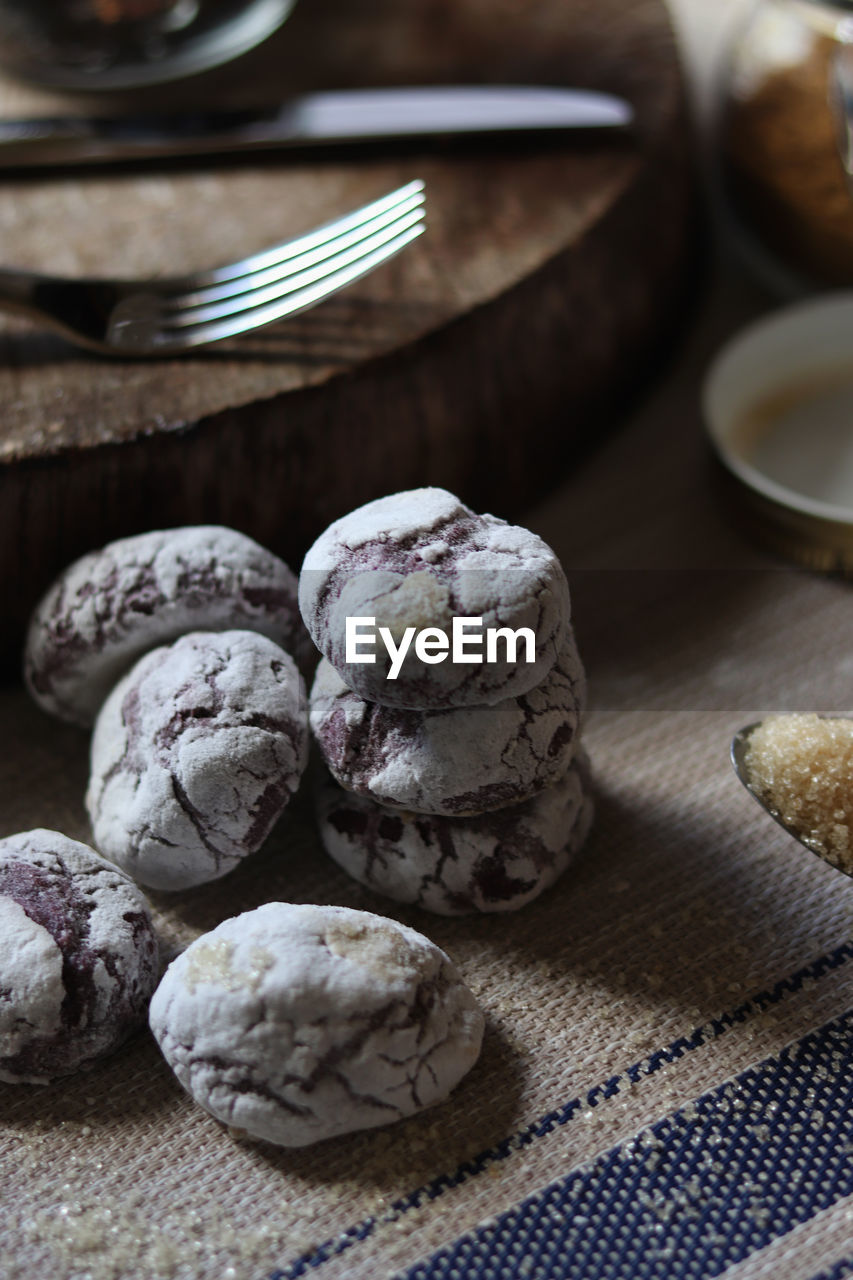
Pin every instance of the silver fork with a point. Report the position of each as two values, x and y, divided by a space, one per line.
181 313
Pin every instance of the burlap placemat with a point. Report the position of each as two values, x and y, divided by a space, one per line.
687 905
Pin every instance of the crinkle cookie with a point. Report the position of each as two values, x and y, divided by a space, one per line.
296 1023
419 559
114 604
461 761
454 866
195 754
78 961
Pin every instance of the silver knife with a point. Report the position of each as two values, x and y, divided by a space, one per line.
334 118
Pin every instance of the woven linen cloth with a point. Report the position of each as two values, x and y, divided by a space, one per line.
666 1078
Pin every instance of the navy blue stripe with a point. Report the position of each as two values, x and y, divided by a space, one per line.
695 1193
838 1271
702 1035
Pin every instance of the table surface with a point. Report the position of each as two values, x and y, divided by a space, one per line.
665 1083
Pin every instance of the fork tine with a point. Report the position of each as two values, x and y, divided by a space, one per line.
291 248
256 318
252 298
293 264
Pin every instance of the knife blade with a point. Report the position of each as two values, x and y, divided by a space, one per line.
333 118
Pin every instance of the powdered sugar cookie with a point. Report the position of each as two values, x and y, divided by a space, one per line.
296 1023
416 561
459 761
495 862
78 961
195 754
114 604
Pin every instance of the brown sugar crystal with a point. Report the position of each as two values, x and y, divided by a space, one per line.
801 766
784 174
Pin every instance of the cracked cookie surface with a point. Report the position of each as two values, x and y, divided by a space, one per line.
112 605
296 1023
79 956
419 559
498 861
459 761
195 755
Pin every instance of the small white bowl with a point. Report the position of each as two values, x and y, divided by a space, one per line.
778 408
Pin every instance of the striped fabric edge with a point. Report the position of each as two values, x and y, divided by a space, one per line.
838 1271
694 1193
704 1034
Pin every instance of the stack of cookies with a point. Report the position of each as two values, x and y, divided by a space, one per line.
457 785
175 646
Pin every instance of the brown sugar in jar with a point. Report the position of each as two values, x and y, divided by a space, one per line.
781 137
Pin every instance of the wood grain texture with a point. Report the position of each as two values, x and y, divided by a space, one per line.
483 358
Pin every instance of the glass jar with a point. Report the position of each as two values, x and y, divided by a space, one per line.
784 141
117 44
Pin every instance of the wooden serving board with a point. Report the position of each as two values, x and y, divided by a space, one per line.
484 358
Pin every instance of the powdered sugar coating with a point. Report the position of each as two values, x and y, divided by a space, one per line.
421 558
195 754
79 957
114 604
456 866
297 1023
457 762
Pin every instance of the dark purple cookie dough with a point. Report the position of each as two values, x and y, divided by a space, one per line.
78 962
195 755
114 604
457 762
420 559
455 866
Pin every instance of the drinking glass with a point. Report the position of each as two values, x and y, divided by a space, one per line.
117 44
